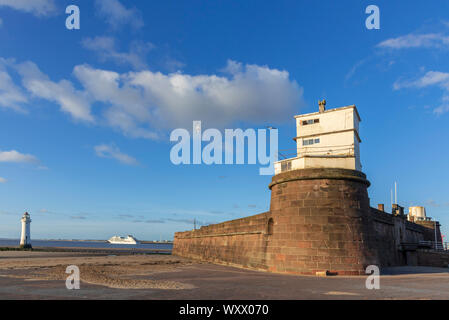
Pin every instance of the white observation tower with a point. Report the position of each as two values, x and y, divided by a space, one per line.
25 239
325 139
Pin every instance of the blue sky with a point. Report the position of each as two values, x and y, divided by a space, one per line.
85 115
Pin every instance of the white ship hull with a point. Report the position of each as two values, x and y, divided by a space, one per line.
123 240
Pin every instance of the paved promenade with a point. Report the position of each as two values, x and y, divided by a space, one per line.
41 275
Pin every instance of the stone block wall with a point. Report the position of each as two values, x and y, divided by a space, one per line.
432 258
396 237
319 220
242 242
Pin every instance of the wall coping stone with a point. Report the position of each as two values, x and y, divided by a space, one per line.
319 173
223 234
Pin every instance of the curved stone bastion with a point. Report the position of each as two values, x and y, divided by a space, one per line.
319 220
323 222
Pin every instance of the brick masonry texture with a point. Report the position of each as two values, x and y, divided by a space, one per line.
319 220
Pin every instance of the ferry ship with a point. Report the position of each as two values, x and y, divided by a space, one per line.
123 240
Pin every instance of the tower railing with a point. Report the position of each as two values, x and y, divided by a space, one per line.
344 150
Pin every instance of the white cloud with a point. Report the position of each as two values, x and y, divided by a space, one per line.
145 103
11 96
117 15
15 156
434 78
3 180
444 107
433 203
429 40
99 43
431 78
36 7
249 93
70 100
143 100
113 152
173 64
127 108
105 47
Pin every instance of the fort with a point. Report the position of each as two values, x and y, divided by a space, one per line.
320 217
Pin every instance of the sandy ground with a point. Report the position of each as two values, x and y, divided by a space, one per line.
41 275
113 271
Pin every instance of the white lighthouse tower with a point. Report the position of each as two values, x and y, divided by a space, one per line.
25 239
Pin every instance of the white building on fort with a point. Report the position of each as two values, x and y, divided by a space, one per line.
326 139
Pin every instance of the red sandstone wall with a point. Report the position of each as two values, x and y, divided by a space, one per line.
320 224
391 234
241 242
395 234
433 259
320 220
429 234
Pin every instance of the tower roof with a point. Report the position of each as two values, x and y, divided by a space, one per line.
330 110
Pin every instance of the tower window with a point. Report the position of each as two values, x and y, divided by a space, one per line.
286 166
308 142
311 121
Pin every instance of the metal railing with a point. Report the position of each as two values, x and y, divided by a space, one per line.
431 245
346 150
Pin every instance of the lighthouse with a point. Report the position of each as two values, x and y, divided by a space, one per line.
25 240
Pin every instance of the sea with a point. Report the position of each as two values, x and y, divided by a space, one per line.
86 244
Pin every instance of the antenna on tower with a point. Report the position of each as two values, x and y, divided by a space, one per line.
395 192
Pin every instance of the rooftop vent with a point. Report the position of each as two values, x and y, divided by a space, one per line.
322 105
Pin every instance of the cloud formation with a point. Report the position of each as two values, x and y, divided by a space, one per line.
36 7
433 203
144 104
117 15
63 92
429 40
11 96
17 157
113 152
434 40
106 49
140 102
431 78
248 93
3 180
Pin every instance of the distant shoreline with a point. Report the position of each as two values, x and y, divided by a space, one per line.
78 240
114 251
